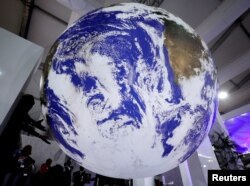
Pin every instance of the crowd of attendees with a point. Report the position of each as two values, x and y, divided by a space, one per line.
22 172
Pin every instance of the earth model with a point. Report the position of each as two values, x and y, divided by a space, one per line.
129 91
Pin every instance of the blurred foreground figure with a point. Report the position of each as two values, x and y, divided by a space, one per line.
27 123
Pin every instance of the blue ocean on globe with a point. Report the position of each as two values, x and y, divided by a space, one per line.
129 91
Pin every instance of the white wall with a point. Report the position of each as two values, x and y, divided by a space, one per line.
18 59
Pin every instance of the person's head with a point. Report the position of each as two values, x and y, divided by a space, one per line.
67 163
81 168
27 101
26 151
49 161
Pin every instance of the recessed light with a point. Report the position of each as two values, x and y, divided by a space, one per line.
222 95
245 114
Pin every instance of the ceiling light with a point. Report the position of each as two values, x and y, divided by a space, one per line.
245 114
222 95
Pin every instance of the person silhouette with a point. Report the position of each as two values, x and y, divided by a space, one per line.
45 167
42 174
55 176
78 177
24 167
67 173
27 123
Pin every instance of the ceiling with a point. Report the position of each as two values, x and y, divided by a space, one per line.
224 25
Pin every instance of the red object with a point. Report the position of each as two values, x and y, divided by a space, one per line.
44 168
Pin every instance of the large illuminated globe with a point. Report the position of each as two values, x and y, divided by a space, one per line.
129 91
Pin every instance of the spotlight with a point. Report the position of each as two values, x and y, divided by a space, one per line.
222 95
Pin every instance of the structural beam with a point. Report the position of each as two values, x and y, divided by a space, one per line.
185 174
235 68
79 8
236 112
221 19
77 5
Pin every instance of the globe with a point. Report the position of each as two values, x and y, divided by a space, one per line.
129 91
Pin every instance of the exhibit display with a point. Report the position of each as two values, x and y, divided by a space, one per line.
238 130
129 91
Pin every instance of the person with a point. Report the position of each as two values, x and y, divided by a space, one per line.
11 169
27 123
78 177
21 121
25 167
45 167
42 174
55 176
67 173
101 180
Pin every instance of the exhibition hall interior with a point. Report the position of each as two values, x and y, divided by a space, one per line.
145 93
